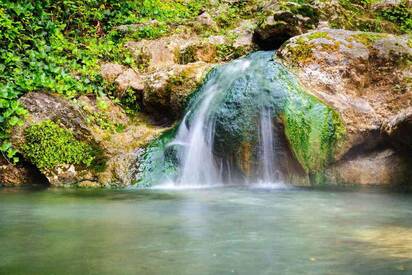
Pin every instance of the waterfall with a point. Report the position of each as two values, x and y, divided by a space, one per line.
198 165
229 131
239 127
267 147
198 162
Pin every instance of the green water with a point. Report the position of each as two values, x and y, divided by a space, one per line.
207 231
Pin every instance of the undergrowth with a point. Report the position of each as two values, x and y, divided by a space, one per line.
57 46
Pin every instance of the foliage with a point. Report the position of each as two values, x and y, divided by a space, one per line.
48 145
359 15
57 45
400 15
313 130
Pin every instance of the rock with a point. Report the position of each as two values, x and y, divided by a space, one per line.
19 174
383 167
155 54
43 106
167 90
244 35
206 20
111 71
285 23
399 129
387 4
95 122
129 79
365 77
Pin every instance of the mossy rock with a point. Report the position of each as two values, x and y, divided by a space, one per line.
312 128
48 145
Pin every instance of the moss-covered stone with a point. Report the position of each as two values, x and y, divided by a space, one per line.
48 145
313 129
300 50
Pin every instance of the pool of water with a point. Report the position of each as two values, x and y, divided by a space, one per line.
207 231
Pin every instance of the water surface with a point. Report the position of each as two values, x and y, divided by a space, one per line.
205 231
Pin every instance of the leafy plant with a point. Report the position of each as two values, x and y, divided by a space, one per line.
400 15
57 46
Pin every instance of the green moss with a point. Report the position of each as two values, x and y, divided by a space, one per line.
367 38
316 35
312 128
48 145
409 43
301 51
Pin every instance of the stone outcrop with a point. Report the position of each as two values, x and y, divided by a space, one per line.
379 167
98 122
172 67
365 77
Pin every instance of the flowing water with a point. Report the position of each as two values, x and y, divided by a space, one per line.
223 230
233 129
197 160
237 104
197 133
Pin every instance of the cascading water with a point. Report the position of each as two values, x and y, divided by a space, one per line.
198 164
269 172
234 129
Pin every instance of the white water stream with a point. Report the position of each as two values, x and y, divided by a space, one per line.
195 136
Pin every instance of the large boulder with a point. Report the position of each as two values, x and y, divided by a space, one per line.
366 78
87 141
382 167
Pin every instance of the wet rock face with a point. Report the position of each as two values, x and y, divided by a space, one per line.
365 77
